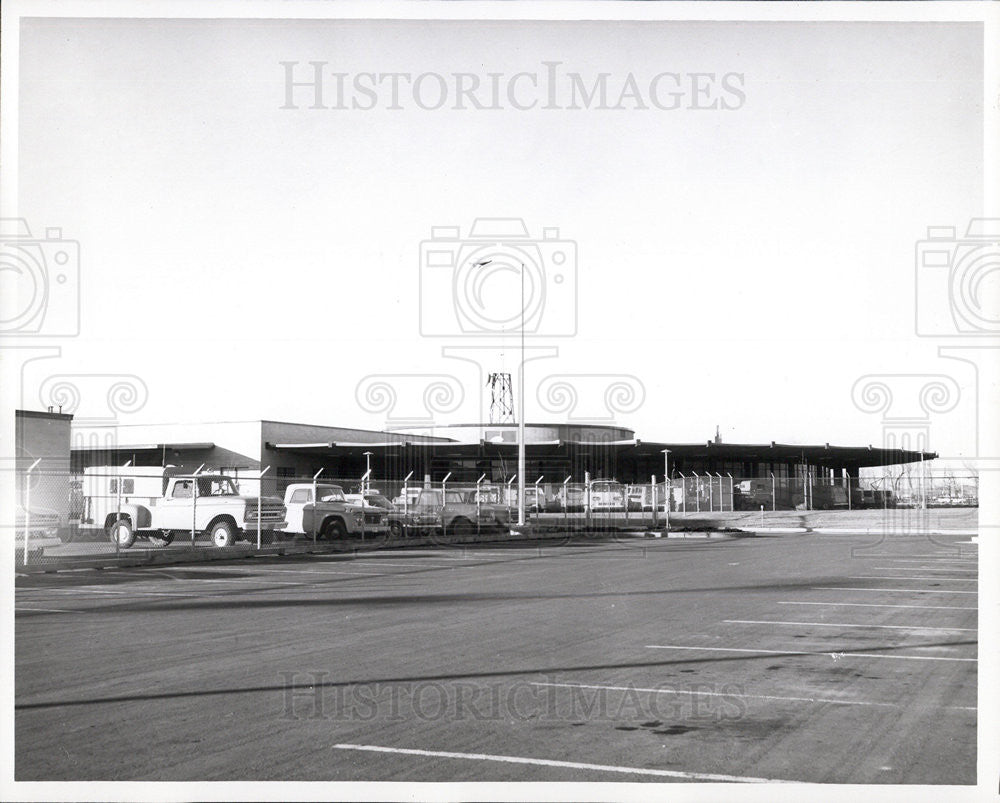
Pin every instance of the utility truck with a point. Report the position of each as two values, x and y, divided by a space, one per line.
157 503
322 510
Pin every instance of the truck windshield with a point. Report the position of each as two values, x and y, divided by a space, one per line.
433 498
330 493
216 486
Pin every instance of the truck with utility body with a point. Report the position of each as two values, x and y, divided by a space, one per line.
453 511
322 510
157 503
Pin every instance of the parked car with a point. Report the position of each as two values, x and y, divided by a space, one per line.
42 530
607 495
571 497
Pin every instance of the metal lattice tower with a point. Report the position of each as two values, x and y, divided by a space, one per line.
502 399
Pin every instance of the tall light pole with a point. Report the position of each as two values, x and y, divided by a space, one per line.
521 469
520 409
666 489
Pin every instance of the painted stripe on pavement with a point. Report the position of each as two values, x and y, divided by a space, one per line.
744 696
884 605
545 762
906 590
831 624
836 655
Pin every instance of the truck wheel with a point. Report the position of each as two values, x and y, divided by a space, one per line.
334 530
396 529
121 533
461 527
222 534
162 539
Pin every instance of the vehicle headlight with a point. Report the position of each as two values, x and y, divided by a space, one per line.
359 517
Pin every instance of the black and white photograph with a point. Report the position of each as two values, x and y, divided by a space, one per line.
499 400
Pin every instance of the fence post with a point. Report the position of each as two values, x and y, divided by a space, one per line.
565 501
406 495
586 498
364 484
509 483
479 504
536 495
27 508
774 495
684 492
194 501
653 498
260 493
847 483
444 485
711 501
315 505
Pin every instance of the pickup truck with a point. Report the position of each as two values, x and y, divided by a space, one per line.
157 503
454 512
332 516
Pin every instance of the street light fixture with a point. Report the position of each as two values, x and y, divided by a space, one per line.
520 409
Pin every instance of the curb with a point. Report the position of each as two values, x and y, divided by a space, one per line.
208 554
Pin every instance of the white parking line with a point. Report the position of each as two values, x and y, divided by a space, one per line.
924 560
407 565
112 592
822 700
834 654
831 624
921 569
545 762
944 555
47 610
884 605
907 590
327 571
912 577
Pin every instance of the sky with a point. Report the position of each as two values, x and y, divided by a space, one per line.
731 238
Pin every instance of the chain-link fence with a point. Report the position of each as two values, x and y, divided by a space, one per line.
128 511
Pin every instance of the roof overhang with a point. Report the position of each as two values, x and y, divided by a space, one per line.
198 446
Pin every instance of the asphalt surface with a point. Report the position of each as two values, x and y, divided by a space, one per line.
823 658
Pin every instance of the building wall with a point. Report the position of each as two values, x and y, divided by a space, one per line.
45 436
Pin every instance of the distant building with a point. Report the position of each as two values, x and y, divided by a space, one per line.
554 451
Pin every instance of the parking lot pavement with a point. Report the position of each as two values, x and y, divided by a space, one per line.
823 658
